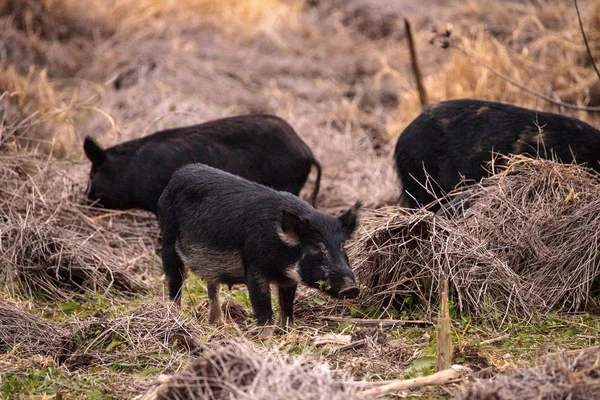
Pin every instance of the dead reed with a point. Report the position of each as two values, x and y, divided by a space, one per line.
527 245
573 376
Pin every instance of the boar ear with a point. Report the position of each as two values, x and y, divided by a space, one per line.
93 151
349 217
291 228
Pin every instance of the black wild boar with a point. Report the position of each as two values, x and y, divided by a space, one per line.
458 138
229 230
260 148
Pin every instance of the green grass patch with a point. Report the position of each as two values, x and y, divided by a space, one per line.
52 381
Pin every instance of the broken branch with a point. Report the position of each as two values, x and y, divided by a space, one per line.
332 339
495 340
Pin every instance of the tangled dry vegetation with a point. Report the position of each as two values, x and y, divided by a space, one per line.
238 371
526 246
27 334
570 376
153 335
53 247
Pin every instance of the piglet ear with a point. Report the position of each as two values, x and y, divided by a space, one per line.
93 151
349 217
291 228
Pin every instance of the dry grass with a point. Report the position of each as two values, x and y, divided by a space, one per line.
339 73
526 246
251 16
28 108
539 46
562 376
62 19
52 247
153 335
58 39
25 334
152 73
236 370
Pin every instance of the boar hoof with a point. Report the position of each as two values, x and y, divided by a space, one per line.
216 320
215 316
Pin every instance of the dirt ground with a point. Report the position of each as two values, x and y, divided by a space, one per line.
339 72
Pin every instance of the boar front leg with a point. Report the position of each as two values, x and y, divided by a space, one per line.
260 297
286 304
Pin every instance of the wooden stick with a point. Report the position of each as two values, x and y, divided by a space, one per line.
439 378
444 337
377 322
415 63
495 340
332 339
587 45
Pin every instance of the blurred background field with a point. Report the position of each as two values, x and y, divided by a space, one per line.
337 70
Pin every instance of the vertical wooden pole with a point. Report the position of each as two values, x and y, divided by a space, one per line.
444 337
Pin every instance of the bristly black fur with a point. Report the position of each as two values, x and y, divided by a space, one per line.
230 230
460 137
262 148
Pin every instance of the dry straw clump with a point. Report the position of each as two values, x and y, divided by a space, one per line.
155 334
573 376
236 370
25 334
51 246
527 245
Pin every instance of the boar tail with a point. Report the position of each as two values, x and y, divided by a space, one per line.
315 193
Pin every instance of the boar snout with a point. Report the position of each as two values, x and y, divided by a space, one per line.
349 293
344 287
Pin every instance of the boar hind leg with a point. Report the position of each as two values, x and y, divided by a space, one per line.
215 315
286 304
260 297
174 272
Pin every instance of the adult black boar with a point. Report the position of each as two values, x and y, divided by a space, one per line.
230 231
260 148
458 138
